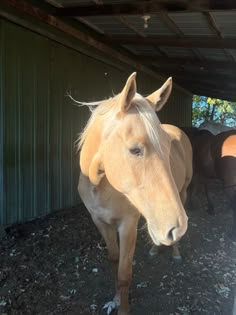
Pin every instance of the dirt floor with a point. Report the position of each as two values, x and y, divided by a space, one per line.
58 265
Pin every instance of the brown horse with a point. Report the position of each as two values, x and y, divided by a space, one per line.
133 165
214 157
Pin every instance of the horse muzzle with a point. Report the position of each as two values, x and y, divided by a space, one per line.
169 234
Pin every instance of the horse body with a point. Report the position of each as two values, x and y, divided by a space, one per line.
225 165
133 165
214 157
228 160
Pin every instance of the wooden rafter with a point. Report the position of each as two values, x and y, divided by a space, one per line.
209 83
26 8
200 89
186 42
142 34
229 96
214 27
197 74
201 64
167 20
146 7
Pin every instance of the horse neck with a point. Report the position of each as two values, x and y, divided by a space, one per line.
91 145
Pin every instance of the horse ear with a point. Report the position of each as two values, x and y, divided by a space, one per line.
96 170
160 97
128 93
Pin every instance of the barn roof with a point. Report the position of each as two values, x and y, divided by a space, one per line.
194 41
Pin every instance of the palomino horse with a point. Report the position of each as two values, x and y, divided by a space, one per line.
133 165
214 156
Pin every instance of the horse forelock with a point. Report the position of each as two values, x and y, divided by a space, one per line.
150 120
109 109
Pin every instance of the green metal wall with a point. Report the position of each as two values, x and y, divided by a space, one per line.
38 123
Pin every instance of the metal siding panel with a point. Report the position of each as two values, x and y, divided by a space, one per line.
11 140
226 22
67 137
192 24
155 26
26 133
56 97
42 74
27 123
2 124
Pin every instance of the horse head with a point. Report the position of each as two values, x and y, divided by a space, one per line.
125 143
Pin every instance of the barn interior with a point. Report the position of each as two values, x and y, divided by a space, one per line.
193 41
52 258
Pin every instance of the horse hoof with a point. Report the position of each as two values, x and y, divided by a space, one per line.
177 259
153 251
110 306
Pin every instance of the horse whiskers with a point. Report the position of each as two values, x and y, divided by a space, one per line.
143 227
148 242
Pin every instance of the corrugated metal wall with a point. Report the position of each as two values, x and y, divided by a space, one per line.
178 111
38 124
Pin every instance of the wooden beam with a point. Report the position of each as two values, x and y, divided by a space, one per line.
186 42
199 75
161 62
203 87
215 28
224 93
166 20
26 8
145 7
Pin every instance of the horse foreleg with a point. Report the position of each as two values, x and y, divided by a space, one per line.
109 233
128 236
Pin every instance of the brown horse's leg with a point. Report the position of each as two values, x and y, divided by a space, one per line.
128 236
109 234
210 206
230 193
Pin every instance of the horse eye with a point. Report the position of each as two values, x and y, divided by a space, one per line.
136 151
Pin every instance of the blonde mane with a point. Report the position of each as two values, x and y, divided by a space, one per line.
109 108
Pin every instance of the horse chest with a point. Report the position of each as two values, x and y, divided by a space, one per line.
107 205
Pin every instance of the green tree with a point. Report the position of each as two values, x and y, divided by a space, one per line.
207 108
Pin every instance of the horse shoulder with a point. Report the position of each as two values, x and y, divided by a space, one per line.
180 155
179 140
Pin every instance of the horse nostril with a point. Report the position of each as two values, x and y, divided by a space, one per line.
170 235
